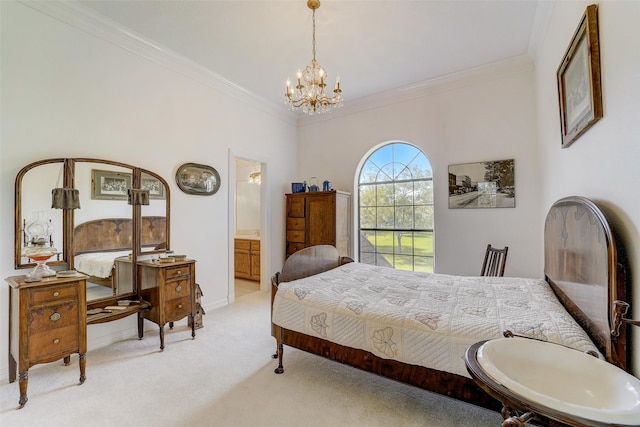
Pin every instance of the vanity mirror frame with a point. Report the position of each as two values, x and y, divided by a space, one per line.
68 168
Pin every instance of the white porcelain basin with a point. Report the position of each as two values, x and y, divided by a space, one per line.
563 379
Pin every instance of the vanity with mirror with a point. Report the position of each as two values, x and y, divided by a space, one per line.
103 223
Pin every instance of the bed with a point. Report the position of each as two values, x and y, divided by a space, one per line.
97 243
416 327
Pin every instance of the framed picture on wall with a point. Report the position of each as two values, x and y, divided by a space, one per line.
109 185
482 185
579 87
194 178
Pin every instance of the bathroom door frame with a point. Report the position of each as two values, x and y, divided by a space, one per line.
265 210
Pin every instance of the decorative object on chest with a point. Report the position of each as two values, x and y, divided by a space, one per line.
47 322
170 288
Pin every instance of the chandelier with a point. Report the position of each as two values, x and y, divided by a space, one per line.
310 94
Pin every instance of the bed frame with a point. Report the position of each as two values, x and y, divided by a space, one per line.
115 234
582 266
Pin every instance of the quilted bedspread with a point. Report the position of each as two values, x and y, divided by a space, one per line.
421 318
98 264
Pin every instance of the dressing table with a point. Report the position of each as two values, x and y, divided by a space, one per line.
48 319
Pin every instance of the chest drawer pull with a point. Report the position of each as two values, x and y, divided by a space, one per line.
178 288
180 306
55 317
56 294
56 341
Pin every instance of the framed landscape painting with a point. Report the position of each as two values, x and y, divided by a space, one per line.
482 185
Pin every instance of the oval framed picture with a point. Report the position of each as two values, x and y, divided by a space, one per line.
194 178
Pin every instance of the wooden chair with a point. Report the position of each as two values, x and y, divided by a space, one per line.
495 260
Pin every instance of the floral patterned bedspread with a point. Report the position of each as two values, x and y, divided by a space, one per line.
421 318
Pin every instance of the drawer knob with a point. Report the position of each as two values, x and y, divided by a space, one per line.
179 271
56 341
179 288
179 305
55 317
56 294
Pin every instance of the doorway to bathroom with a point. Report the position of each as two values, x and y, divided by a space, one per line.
247 231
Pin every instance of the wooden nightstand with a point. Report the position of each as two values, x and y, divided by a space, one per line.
170 288
47 322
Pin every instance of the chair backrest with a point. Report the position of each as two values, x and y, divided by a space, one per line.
495 260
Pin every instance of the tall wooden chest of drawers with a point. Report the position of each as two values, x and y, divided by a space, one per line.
47 322
170 288
319 218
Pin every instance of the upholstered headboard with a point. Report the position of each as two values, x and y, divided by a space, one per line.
115 234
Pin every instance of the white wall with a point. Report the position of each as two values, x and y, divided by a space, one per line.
603 163
488 114
70 93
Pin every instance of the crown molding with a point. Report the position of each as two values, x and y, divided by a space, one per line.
488 72
541 22
91 22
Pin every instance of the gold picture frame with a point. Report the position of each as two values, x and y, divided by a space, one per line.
579 86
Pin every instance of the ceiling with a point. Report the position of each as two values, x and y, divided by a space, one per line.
374 46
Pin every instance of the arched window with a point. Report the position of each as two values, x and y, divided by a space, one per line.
396 208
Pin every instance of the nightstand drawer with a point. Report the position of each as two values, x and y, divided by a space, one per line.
53 293
178 288
178 308
50 343
53 317
182 270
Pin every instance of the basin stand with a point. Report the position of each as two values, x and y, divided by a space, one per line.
512 419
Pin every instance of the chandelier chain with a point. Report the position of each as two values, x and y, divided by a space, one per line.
314 34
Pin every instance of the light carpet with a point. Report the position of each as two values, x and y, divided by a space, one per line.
223 378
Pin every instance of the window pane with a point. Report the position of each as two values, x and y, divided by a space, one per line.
384 242
403 243
403 173
386 173
404 217
423 264
367 195
423 192
367 241
404 193
367 217
385 217
424 217
384 194
403 262
369 172
423 243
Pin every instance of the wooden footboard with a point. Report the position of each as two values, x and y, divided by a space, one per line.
451 385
